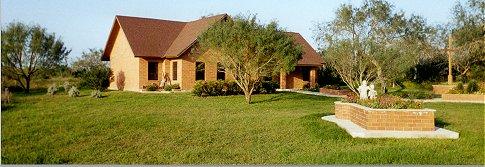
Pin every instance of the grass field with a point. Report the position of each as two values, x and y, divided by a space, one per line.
283 128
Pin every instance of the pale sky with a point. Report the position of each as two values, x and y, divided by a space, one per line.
84 24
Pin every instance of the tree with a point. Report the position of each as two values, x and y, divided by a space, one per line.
249 51
89 59
26 49
94 73
372 42
468 36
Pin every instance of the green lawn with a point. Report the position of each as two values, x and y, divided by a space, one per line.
284 128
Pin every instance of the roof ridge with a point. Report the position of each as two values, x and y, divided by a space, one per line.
149 18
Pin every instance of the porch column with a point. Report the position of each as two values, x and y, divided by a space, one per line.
282 80
313 76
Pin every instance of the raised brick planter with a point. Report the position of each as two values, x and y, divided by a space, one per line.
463 97
386 119
442 89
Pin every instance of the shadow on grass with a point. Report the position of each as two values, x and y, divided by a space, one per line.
278 96
440 123
7 107
322 130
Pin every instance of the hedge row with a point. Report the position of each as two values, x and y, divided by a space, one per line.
224 88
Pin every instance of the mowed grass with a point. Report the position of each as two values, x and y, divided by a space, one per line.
179 128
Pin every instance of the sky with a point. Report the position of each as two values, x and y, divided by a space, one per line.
84 24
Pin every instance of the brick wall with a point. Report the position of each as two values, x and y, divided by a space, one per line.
463 97
188 71
442 89
386 119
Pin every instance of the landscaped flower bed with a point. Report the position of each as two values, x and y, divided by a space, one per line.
386 119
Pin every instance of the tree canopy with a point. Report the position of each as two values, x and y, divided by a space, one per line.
373 42
26 49
249 50
468 36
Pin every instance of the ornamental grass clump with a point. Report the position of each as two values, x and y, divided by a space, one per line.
96 94
52 90
67 86
74 92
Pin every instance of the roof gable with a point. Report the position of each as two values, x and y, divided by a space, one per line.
158 38
310 57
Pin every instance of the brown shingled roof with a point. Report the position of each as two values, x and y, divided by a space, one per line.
159 38
164 38
310 57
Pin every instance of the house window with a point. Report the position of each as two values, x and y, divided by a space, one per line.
306 74
174 71
199 71
152 70
221 72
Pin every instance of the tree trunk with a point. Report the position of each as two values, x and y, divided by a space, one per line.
247 95
27 85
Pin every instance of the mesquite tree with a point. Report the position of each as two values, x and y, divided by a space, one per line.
27 49
468 36
372 42
249 50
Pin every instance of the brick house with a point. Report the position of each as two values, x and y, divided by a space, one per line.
153 51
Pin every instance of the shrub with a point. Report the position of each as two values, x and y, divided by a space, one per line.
152 87
74 92
171 87
458 89
97 78
52 90
67 86
472 86
96 94
413 94
220 88
482 88
120 80
314 88
266 87
385 102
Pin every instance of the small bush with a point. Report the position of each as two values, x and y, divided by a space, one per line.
458 89
308 87
67 86
171 87
120 80
96 94
472 86
52 90
74 92
152 87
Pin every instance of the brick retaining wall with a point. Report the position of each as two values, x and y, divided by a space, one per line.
386 119
463 97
